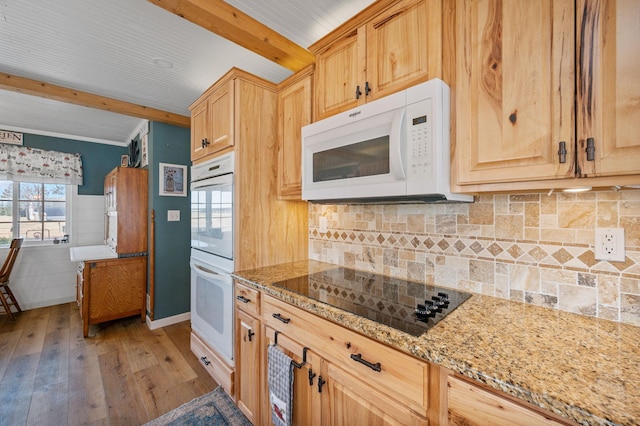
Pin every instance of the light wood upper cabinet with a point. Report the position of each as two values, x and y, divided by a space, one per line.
212 121
404 46
518 65
340 75
608 86
514 84
395 45
294 112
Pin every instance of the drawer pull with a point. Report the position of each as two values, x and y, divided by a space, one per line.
374 367
250 335
204 360
243 299
281 318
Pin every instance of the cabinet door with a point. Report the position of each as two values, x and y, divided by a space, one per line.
348 401
248 365
608 86
199 130
514 90
340 72
221 118
294 112
404 46
307 409
116 288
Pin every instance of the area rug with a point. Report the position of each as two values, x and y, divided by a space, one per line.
214 408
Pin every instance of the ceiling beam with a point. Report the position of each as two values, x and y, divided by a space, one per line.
64 94
223 19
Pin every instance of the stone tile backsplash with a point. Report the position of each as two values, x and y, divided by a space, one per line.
534 248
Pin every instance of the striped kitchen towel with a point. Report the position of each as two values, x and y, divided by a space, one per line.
280 379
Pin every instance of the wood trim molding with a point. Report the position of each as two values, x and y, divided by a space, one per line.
77 97
223 19
349 27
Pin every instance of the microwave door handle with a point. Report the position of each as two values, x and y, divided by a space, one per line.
396 154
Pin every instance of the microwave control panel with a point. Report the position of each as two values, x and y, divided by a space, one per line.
420 140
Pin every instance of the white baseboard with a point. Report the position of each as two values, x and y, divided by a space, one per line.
167 321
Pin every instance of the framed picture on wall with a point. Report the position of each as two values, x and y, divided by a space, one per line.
173 180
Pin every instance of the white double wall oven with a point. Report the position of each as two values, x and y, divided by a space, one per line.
212 249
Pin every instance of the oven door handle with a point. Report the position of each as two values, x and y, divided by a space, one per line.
207 271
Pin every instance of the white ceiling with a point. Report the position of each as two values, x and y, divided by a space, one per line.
108 48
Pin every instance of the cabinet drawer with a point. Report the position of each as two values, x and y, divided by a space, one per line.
400 376
218 369
473 405
247 299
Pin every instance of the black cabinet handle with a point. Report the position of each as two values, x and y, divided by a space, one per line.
311 376
562 152
250 334
243 299
205 143
320 384
358 92
204 360
281 318
374 367
367 88
591 149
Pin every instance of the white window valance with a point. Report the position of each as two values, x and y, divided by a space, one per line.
25 164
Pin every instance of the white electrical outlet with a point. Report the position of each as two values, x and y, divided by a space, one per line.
322 226
609 244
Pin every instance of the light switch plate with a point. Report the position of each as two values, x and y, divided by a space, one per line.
609 244
173 215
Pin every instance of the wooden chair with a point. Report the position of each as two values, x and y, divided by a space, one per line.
6 295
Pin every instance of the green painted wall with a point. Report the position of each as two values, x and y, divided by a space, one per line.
170 144
97 159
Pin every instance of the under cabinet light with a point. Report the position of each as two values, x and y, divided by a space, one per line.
578 189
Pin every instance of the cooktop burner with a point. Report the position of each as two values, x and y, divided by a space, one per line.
407 306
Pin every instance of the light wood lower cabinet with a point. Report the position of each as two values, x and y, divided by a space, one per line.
215 366
248 357
248 365
345 378
348 401
111 289
307 404
355 376
472 405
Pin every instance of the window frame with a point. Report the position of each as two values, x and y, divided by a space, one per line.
70 201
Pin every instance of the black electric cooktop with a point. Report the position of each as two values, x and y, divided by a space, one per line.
407 306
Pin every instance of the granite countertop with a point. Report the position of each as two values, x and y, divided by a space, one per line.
582 368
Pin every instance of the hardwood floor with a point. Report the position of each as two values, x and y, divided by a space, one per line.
123 374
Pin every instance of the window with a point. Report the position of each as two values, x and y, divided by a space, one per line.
37 212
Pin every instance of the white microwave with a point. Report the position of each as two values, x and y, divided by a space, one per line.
394 149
